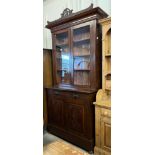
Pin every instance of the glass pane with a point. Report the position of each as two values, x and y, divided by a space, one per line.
81 55
82 33
63 58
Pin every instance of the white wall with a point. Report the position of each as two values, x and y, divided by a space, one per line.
53 8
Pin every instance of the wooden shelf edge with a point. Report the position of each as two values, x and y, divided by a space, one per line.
108 55
108 89
81 40
81 55
103 104
61 69
81 69
107 73
59 45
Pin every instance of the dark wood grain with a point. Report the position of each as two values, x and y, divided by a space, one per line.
76 16
71 116
45 109
47 80
70 106
47 68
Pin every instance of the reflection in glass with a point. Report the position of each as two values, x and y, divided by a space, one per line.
63 58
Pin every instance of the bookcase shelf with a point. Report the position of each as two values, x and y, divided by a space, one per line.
83 55
81 69
62 45
107 58
76 40
82 40
61 70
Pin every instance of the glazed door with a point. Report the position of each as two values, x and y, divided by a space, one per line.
81 45
62 57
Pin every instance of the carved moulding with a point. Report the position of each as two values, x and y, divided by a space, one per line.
66 12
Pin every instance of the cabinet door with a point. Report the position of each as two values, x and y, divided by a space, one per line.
62 57
106 128
55 111
74 117
74 114
78 115
81 45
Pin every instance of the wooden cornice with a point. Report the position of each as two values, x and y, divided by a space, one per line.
78 15
105 20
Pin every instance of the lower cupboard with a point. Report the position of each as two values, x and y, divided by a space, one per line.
71 116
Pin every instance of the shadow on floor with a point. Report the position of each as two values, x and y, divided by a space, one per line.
48 138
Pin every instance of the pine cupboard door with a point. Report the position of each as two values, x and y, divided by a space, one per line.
62 59
106 130
82 45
